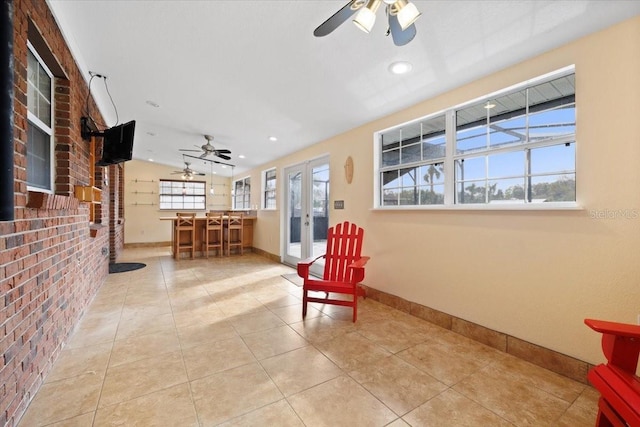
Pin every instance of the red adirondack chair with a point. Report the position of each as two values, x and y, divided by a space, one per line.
343 269
619 387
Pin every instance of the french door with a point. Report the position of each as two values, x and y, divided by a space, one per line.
307 211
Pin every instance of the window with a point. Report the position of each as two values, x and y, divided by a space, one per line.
242 194
269 190
39 124
516 147
413 159
182 195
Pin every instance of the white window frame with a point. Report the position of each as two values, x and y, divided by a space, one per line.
33 120
268 193
451 157
242 199
185 197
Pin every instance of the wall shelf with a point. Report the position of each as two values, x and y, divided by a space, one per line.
89 194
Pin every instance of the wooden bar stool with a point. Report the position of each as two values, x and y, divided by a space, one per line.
213 233
235 226
185 233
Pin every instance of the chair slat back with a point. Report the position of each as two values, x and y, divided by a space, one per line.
185 220
344 245
236 220
214 219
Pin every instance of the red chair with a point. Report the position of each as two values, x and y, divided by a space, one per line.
619 387
343 269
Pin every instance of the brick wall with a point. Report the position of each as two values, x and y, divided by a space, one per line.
52 262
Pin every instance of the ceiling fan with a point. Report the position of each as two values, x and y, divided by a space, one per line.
187 173
401 15
207 149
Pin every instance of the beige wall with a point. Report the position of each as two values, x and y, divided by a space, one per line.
534 275
142 219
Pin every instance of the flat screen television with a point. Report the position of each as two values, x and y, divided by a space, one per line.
117 144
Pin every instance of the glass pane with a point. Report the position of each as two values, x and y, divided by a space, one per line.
432 174
390 179
408 177
320 205
295 213
44 110
433 148
390 139
44 83
507 132
270 200
471 192
553 159
411 153
506 164
471 168
553 123
410 196
471 139
506 190
32 99
390 197
391 158
32 69
432 195
553 188
433 138
38 158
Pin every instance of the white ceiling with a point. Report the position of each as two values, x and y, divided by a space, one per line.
244 70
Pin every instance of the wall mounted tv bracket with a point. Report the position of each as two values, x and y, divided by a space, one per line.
88 129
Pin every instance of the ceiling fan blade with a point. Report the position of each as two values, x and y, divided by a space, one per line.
224 151
400 38
223 156
187 149
203 155
338 18
199 174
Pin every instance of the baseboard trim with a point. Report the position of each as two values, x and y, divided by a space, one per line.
147 245
269 255
549 359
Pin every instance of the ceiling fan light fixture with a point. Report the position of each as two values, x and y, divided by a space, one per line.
407 13
366 17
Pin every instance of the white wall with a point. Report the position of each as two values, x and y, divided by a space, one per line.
533 275
142 219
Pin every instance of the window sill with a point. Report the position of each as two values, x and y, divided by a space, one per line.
94 229
495 207
41 200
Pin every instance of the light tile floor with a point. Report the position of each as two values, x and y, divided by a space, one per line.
221 342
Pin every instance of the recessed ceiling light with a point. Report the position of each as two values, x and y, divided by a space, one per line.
400 67
273 138
241 156
153 104
151 160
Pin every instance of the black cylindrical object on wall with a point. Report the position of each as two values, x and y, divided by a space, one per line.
6 112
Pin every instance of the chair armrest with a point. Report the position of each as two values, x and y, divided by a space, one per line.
614 328
620 343
357 268
303 266
359 263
